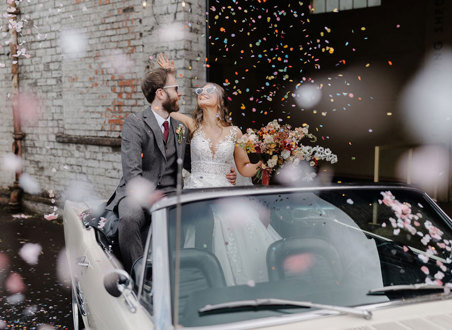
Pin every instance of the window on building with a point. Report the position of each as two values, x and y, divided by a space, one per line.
328 6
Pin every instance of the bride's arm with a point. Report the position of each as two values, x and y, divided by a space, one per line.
244 166
188 121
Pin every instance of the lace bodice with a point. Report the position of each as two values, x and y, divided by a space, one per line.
210 163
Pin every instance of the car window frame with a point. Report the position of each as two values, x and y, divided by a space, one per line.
157 244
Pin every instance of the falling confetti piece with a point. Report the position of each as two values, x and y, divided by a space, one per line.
51 216
251 283
30 253
425 270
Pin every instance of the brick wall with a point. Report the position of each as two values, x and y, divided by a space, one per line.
89 90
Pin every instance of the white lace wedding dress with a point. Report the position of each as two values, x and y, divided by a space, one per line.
240 239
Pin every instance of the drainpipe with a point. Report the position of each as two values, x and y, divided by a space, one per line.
15 199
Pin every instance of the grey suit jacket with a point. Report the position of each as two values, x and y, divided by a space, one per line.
143 151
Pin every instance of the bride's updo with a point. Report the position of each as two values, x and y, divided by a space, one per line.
222 112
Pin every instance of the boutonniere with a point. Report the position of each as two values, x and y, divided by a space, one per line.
180 131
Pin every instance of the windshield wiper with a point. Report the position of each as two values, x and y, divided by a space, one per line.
282 302
409 287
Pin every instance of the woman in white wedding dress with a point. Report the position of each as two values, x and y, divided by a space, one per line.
240 244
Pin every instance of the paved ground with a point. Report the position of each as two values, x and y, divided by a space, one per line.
40 299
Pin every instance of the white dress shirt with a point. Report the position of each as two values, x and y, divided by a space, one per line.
161 120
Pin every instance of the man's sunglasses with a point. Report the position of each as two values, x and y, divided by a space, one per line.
208 90
170 86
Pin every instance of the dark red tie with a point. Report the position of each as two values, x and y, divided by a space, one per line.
165 130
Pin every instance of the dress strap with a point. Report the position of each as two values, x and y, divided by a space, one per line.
233 133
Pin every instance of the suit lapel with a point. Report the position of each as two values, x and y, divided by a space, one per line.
149 119
174 125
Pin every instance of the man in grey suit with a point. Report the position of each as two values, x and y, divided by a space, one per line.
150 148
151 143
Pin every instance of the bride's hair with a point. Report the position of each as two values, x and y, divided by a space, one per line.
222 113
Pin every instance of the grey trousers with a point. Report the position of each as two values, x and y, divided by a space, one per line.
133 227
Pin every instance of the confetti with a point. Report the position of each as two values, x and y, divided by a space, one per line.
425 270
51 216
30 253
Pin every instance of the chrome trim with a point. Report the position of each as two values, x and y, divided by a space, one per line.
437 208
80 298
145 258
190 196
82 262
161 272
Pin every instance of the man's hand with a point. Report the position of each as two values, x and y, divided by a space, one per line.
232 176
163 61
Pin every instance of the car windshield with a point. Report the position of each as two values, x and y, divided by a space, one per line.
330 246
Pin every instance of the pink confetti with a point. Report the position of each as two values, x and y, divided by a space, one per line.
439 275
299 263
423 257
14 283
4 261
425 270
51 216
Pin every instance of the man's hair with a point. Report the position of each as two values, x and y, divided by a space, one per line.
154 80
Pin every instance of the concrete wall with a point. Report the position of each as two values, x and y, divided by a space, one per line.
89 93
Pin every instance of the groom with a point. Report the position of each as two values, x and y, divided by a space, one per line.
151 143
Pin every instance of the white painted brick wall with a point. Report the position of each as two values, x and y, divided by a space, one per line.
87 96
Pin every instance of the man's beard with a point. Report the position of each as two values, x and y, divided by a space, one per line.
171 105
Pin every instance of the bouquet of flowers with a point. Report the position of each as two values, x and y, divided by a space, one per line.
279 145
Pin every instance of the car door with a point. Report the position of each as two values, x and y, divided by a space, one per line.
103 310
89 264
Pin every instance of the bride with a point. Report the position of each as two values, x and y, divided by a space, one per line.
213 139
240 246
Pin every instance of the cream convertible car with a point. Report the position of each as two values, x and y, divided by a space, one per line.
340 257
